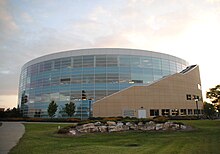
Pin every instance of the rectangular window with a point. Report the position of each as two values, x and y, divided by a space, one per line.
57 63
146 62
112 61
156 63
100 61
190 112
188 97
77 61
66 63
154 112
128 113
175 112
165 112
135 61
88 61
65 81
182 111
196 111
64 96
48 66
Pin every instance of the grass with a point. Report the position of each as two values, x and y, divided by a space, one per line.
41 138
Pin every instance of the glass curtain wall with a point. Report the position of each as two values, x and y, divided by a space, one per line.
95 76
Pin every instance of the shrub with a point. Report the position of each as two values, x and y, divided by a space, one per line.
112 118
144 120
85 122
95 118
178 123
183 117
72 120
64 130
160 119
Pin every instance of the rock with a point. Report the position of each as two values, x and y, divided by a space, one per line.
102 129
98 123
111 123
88 125
125 127
183 127
159 126
174 126
133 127
167 125
87 128
151 123
150 127
143 128
72 132
140 123
119 124
112 129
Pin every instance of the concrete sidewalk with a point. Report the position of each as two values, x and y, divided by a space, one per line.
10 133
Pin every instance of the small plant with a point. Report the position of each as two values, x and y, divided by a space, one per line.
160 119
64 130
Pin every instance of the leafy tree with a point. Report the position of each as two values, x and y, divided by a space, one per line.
209 110
52 108
214 94
11 113
70 109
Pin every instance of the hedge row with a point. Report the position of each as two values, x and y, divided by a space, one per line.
159 119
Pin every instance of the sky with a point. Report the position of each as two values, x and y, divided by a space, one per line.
189 29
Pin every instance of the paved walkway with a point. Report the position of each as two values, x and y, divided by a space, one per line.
10 133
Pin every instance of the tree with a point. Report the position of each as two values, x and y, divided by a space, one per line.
52 108
209 110
11 113
214 94
70 109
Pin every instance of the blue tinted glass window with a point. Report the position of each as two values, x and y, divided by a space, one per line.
135 61
146 62
124 61
77 61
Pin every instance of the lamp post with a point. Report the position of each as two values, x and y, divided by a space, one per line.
197 108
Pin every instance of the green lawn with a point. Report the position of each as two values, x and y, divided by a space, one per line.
40 139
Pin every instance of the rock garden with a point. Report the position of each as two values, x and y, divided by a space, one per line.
118 126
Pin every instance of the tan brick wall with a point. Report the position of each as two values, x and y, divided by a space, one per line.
168 93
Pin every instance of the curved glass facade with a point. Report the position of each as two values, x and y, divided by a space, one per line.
84 79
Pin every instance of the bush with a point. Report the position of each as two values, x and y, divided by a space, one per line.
95 118
64 130
160 119
112 119
178 123
183 117
72 120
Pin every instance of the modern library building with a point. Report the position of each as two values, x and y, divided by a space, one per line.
106 82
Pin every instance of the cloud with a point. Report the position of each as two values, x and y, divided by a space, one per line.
153 25
26 17
8 26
